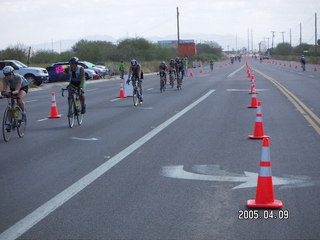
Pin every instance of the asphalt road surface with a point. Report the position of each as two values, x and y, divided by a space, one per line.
173 168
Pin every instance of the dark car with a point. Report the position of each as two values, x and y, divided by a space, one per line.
56 69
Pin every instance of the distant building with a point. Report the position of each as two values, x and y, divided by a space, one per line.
174 43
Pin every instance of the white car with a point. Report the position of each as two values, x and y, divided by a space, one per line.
34 75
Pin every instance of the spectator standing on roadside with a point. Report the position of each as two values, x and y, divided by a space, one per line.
121 69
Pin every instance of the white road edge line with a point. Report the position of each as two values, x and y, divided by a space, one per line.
43 211
29 101
116 99
233 73
150 89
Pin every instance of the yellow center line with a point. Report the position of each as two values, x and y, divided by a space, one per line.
306 112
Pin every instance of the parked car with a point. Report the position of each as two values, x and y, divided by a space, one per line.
34 75
99 69
56 69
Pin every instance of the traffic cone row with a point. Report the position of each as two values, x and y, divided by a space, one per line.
264 192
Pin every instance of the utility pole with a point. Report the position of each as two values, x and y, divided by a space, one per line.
316 34
268 42
290 38
29 55
236 42
300 34
178 26
248 41
272 38
252 40
282 36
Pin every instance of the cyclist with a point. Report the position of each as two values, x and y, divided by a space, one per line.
15 84
163 69
211 65
77 80
303 62
179 69
172 70
135 73
185 66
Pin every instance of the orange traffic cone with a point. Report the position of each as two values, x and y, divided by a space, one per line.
54 108
201 71
253 88
258 131
121 94
264 192
315 69
254 101
191 73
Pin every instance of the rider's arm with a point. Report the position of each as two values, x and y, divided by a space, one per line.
64 74
130 71
5 87
82 77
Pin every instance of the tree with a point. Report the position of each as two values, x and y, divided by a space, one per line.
283 49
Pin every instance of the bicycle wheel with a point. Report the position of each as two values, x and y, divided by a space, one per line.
21 125
79 115
135 97
71 113
161 85
6 125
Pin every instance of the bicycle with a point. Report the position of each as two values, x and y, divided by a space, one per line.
12 119
74 109
303 66
179 80
137 97
162 81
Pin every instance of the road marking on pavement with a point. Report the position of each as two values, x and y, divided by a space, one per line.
85 139
245 90
150 89
312 76
43 211
116 99
94 89
249 179
233 73
29 101
306 112
41 120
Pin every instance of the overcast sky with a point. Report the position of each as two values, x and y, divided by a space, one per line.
37 21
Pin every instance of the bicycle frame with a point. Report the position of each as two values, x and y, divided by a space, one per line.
136 92
74 109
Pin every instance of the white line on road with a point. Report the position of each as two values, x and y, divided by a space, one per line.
85 139
43 211
116 99
244 90
150 89
41 120
29 101
232 74
90 90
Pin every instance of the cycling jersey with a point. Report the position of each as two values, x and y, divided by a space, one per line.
303 60
13 83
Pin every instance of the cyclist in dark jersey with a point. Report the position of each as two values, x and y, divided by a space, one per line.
135 72
77 80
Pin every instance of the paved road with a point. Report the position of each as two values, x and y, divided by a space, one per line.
170 169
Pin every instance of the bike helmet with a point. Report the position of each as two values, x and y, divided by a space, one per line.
163 63
134 62
7 70
74 60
